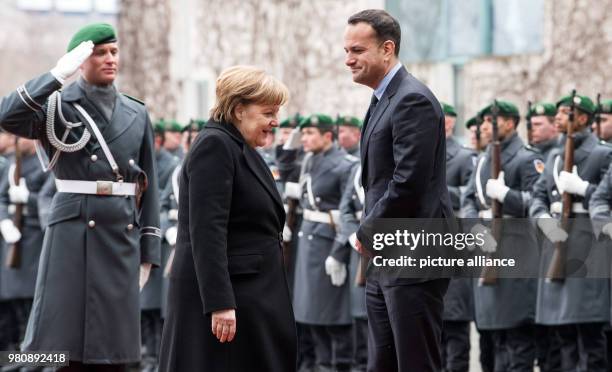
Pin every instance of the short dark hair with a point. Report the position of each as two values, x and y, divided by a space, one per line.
385 26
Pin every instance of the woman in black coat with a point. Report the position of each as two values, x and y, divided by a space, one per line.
229 307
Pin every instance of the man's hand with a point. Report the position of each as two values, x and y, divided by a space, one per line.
336 270
71 61
551 229
572 183
145 271
9 231
224 324
360 248
496 188
19 194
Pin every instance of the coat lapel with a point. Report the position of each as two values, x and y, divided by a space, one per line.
452 148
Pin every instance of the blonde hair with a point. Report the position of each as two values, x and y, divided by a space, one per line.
245 85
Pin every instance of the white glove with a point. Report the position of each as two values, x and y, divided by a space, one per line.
71 61
607 229
19 194
171 234
551 229
293 190
9 232
353 240
145 271
496 188
294 141
489 243
337 271
287 234
572 183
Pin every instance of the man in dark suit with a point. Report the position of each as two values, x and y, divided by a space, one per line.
404 176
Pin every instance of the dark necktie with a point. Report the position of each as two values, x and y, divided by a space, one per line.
371 109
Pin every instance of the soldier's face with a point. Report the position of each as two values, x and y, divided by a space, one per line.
172 140
367 58
256 122
7 142
314 140
283 135
102 66
562 119
542 129
348 137
449 124
606 127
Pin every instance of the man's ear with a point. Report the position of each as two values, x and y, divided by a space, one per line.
389 47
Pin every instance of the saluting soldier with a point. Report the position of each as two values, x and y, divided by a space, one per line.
506 308
17 283
575 308
104 222
458 301
544 135
151 295
321 292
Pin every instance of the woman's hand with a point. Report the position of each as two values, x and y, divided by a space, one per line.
224 324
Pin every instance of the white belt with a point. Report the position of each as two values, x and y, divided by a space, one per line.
488 214
358 214
322 217
557 207
96 187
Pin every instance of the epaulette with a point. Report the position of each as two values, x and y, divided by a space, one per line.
134 99
533 149
605 143
351 158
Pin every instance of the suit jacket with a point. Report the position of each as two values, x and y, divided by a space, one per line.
228 255
403 156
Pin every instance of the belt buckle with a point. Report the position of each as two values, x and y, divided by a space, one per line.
104 187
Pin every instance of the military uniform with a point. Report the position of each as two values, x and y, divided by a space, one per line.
324 307
87 297
458 301
508 307
577 307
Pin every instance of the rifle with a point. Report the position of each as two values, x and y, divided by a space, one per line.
556 269
529 126
13 257
598 116
488 275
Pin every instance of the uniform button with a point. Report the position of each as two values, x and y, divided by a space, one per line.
354 197
555 192
92 223
94 157
130 227
300 234
131 162
318 199
309 237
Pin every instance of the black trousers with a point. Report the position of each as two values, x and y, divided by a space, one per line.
151 324
333 346
487 350
405 326
455 346
515 349
583 347
306 351
360 344
548 349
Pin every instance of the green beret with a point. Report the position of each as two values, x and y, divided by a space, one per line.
583 103
98 33
195 125
349 121
471 122
159 127
542 109
173 126
505 108
448 109
321 121
291 122
606 107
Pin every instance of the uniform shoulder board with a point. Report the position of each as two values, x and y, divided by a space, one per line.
533 149
351 158
134 99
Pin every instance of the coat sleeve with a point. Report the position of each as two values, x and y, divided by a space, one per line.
349 223
603 168
600 202
469 202
210 178
517 202
4 196
415 130
150 236
22 112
